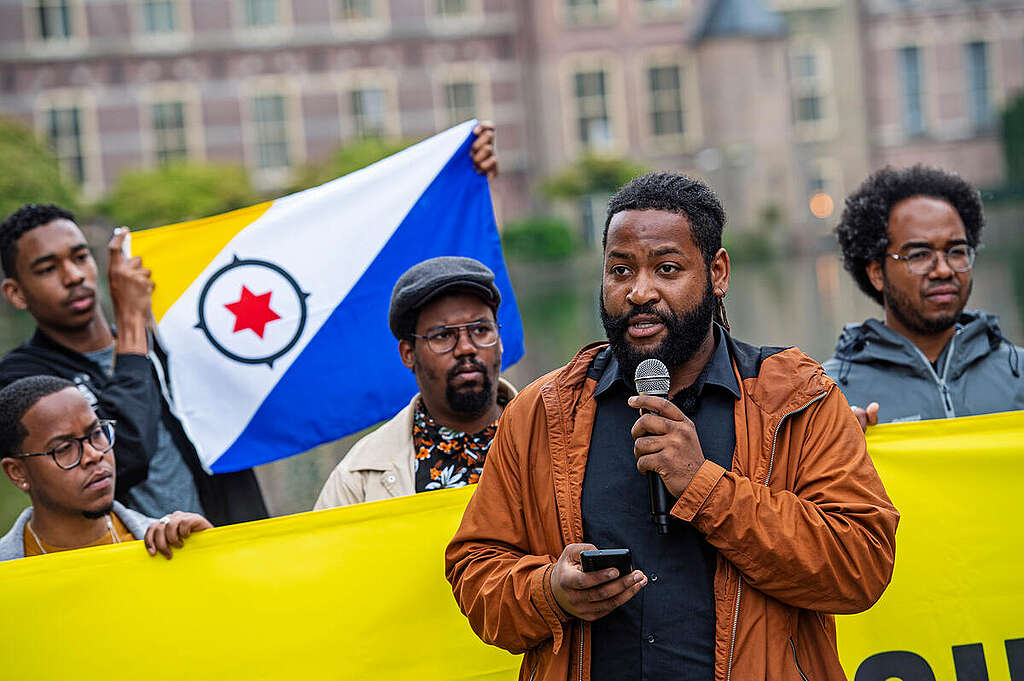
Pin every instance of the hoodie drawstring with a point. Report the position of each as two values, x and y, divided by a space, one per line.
844 354
995 338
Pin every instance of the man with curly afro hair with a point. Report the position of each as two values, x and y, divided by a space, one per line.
909 236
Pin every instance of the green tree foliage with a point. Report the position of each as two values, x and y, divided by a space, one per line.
31 173
177 192
539 238
591 174
348 158
1013 139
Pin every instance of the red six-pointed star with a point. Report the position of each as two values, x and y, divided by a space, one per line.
252 312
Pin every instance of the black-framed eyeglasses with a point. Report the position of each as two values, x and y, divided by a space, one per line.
68 453
923 260
442 339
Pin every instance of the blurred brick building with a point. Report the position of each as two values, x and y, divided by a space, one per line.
773 101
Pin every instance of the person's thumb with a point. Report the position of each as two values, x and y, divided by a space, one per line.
116 245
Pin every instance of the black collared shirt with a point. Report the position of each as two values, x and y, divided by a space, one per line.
667 631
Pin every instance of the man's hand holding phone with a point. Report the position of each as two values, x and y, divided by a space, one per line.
591 595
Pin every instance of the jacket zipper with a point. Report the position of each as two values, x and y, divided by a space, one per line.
581 652
943 386
792 646
767 479
735 621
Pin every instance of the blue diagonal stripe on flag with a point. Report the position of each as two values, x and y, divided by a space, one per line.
277 323
352 366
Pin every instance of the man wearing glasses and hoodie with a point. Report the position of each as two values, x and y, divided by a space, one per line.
909 238
54 448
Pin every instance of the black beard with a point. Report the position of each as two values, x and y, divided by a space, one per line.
904 310
469 402
684 337
93 515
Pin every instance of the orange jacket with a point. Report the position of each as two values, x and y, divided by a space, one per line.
802 524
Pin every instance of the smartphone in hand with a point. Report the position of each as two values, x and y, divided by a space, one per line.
621 559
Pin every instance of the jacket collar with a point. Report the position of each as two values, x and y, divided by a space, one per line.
394 447
718 371
977 335
12 544
775 379
43 341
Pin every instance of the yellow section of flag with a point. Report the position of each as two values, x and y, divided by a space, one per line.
177 254
359 592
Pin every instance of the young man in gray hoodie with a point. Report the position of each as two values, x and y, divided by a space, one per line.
55 448
909 238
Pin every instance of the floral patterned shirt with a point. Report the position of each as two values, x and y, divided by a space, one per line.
446 457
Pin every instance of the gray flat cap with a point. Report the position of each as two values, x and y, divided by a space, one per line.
423 282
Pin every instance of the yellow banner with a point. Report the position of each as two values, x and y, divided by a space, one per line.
955 607
352 593
359 592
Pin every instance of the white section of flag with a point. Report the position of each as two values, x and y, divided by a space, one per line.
325 237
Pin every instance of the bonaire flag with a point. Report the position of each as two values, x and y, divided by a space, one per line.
274 317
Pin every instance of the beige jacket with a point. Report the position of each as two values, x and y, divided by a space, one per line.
380 465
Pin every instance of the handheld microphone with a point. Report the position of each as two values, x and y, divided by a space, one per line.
652 378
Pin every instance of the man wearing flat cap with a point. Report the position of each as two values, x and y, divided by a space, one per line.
444 314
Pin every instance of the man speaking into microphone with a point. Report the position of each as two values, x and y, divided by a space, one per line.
776 518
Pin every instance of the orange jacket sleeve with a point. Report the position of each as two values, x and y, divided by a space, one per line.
822 534
496 562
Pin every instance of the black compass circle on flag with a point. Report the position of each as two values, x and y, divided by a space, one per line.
252 311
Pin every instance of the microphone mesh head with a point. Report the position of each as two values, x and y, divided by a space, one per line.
652 377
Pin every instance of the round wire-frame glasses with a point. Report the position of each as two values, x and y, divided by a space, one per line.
442 339
959 258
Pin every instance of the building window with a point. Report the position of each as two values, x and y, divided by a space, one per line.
978 104
660 8
357 10
259 13
460 101
665 87
808 98
64 133
810 85
54 19
169 133
910 75
584 11
451 8
270 124
594 127
368 112
159 16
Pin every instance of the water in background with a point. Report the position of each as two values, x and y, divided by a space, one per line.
801 301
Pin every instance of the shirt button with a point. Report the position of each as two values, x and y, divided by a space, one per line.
654 578
650 639
390 478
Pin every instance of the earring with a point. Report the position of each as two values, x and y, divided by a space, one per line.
24 485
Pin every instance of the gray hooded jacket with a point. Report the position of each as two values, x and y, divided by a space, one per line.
981 373
12 545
